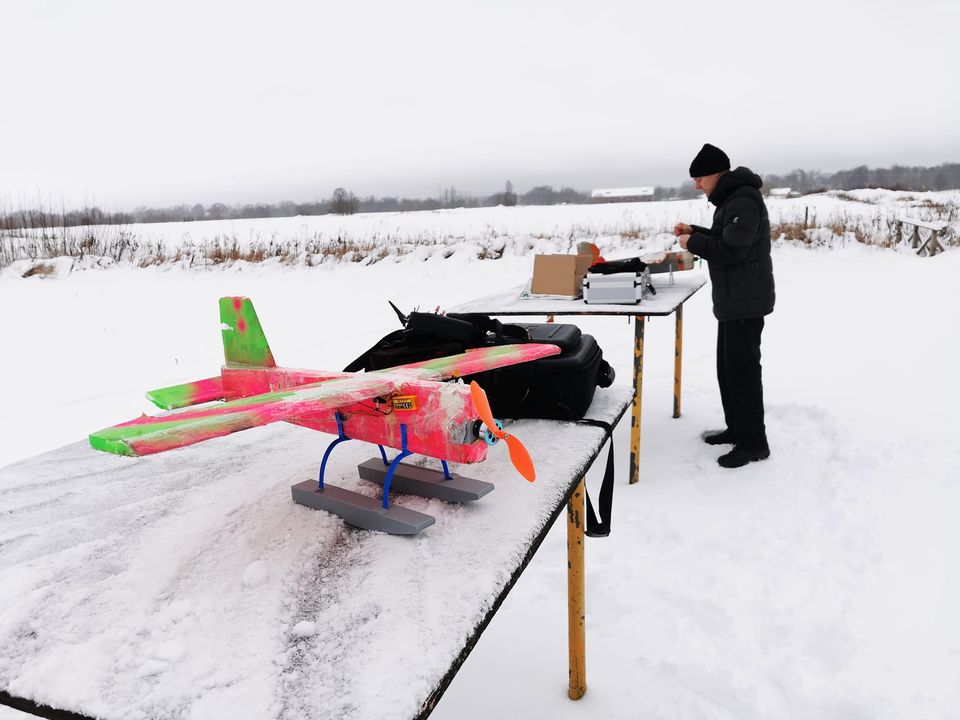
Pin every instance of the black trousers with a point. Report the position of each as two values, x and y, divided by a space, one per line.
740 376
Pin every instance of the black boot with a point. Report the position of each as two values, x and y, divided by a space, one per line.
724 437
740 456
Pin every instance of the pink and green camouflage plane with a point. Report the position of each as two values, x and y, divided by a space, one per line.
408 407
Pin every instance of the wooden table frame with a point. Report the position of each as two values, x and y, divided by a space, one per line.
576 594
576 600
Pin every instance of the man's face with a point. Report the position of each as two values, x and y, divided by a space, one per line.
707 183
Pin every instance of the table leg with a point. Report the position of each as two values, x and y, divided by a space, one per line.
639 323
677 362
576 606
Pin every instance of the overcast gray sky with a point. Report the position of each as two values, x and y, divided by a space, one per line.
126 103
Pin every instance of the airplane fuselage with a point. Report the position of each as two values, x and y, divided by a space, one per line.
440 417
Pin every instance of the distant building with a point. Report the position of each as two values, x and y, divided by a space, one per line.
630 194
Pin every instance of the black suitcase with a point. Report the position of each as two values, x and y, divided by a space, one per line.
559 387
564 336
426 336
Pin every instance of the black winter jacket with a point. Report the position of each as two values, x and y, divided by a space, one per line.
737 248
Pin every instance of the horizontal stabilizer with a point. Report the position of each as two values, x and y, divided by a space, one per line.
192 393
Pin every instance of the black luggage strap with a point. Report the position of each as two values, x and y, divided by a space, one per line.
502 332
625 265
596 528
467 328
361 361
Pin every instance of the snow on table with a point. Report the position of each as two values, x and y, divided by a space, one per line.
668 298
188 584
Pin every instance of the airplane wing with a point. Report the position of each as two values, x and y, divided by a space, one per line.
473 361
147 435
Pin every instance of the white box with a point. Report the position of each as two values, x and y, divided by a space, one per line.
616 288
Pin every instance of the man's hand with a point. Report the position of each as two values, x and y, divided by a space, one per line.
682 229
683 240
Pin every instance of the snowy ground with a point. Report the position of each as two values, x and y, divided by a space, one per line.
818 584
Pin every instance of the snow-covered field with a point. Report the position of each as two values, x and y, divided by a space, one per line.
821 583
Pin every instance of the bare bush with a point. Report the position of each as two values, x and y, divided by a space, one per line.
792 231
40 269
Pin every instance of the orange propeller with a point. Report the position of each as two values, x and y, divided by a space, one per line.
518 453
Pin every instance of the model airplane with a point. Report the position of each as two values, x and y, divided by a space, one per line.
408 407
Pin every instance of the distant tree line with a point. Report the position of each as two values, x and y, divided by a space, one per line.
42 218
898 177
342 201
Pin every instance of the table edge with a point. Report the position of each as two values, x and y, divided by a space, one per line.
431 702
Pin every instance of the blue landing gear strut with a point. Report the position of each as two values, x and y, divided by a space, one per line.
404 452
341 437
421 481
356 509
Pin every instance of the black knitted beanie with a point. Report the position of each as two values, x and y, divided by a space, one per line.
708 161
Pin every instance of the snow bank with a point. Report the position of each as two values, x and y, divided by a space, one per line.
482 233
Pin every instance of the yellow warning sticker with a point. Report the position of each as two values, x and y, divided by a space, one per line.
405 402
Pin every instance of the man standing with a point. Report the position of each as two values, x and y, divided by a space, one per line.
737 250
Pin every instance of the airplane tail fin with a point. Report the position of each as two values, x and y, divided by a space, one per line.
244 344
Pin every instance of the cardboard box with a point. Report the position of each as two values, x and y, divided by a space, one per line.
559 274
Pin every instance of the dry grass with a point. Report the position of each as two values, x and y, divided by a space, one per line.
877 231
851 198
940 210
793 231
491 253
41 270
153 256
111 241
873 226
842 228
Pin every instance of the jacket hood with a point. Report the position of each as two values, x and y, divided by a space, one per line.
740 177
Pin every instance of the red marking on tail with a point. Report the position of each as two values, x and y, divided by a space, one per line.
241 325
